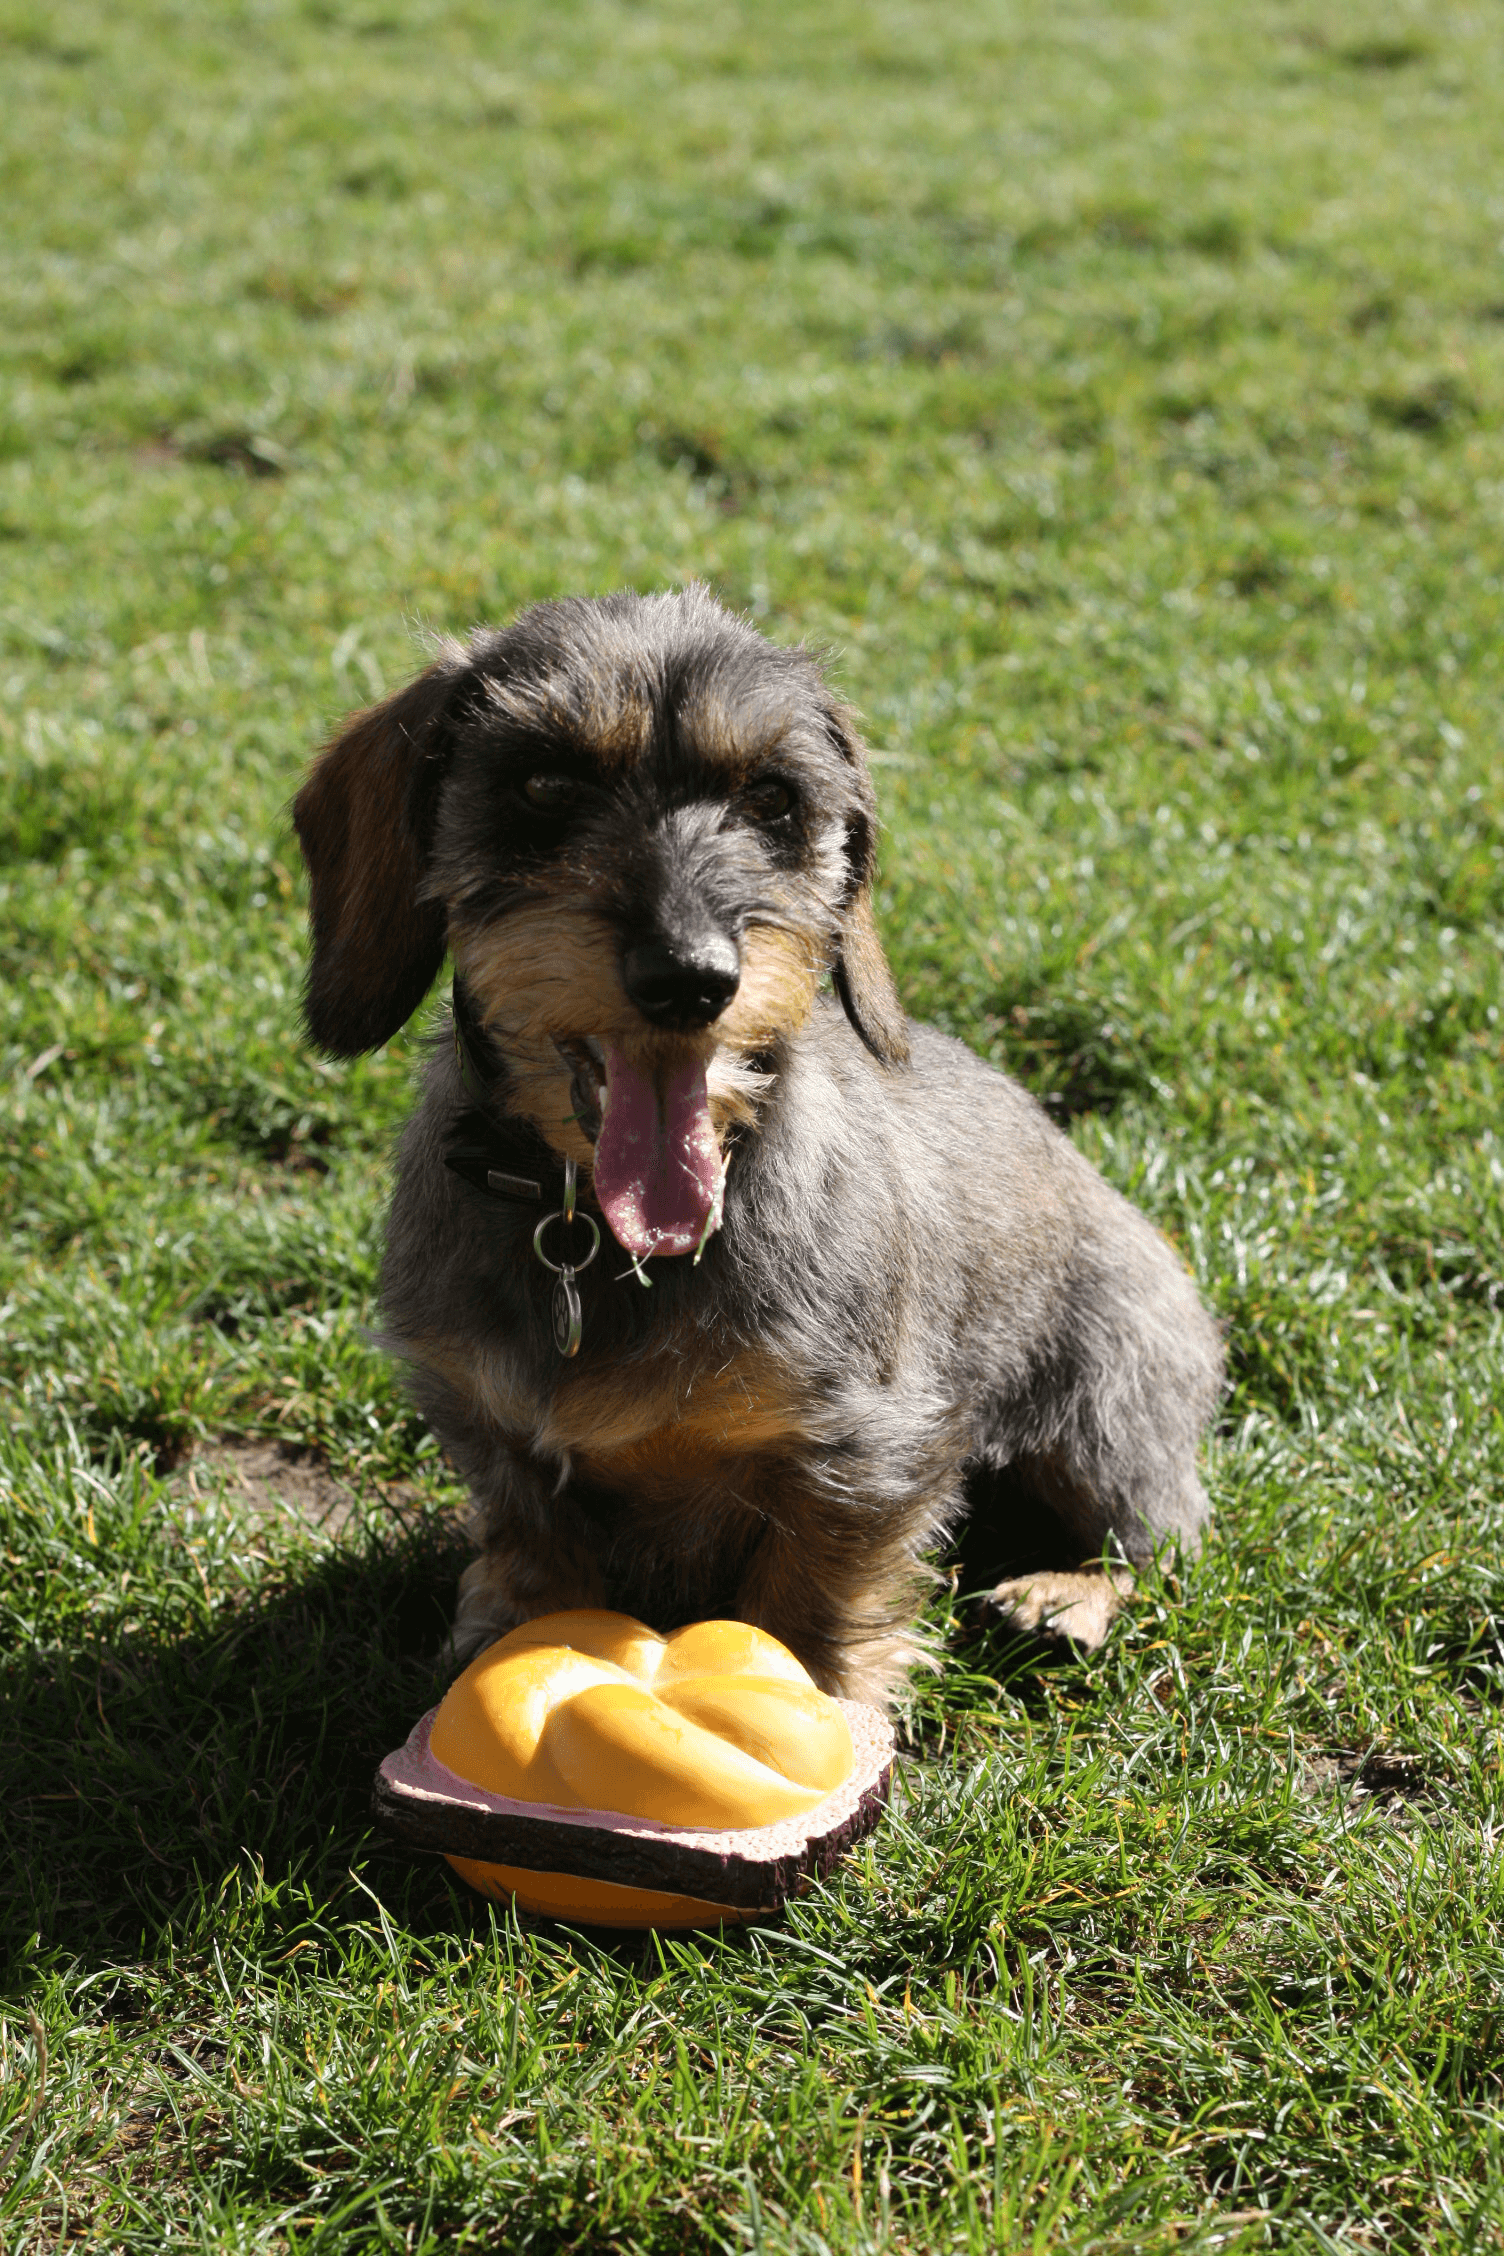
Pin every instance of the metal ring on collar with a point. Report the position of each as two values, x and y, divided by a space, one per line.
559 1267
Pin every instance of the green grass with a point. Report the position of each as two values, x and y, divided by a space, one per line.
1120 393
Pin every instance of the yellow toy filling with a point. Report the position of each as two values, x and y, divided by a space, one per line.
716 1727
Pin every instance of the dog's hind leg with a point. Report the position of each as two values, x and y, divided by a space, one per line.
1111 1431
1025 1521
1019 1558
1065 1607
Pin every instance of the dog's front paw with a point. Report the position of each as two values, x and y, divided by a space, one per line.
1061 1608
502 1589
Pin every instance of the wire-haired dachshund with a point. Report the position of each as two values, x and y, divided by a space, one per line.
726 1286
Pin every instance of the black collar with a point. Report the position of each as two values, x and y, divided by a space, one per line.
492 1149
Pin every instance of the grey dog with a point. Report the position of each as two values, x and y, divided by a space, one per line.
726 1292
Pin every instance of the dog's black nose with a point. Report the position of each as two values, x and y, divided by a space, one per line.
684 985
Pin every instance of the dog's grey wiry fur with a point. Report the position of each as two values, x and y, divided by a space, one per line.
850 1277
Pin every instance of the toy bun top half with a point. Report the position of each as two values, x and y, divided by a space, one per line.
716 1726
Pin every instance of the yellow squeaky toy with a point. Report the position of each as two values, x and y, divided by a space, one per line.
597 1772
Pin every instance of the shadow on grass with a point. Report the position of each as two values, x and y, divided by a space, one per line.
137 1772
140 1771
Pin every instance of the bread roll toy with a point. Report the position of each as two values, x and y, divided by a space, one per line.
592 1770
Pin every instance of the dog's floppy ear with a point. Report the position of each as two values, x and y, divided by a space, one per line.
860 970
365 820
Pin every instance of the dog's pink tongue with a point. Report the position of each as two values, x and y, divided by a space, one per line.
659 1175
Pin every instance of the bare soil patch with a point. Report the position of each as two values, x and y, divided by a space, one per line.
279 1479
1397 1783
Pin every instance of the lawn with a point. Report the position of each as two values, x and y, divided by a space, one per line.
1118 393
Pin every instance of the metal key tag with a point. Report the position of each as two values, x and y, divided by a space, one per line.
566 1313
565 1303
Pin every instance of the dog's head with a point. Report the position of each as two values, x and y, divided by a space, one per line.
645 833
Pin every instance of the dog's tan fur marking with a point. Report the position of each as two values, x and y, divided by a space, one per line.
606 717
1074 1607
656 1443
739 741
780 971
549 972
645 1433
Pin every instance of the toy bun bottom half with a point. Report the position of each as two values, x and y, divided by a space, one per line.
594 1903
588 1769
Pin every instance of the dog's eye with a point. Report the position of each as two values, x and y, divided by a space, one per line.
551 794
768 800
